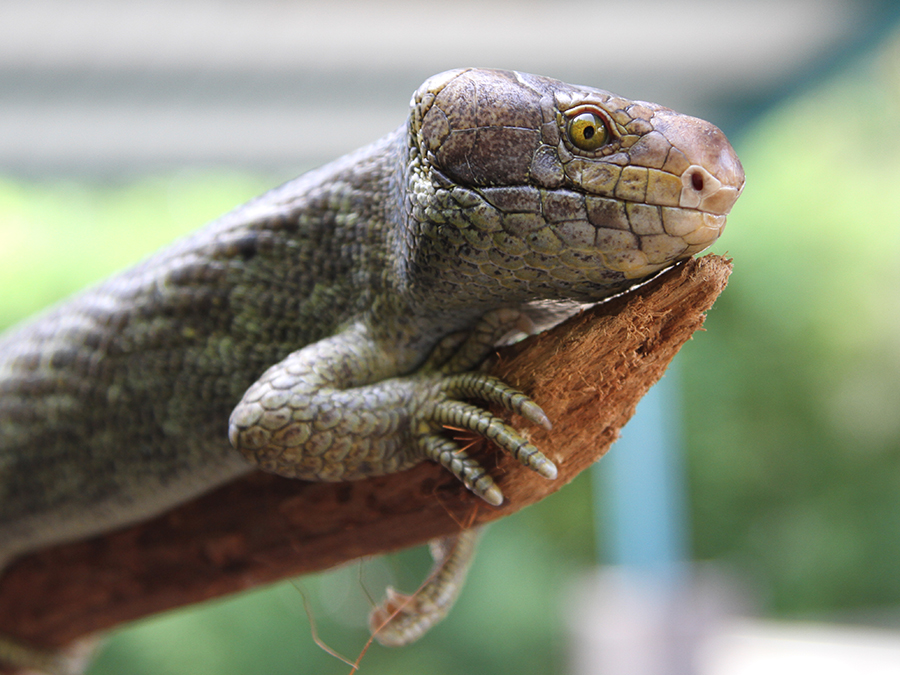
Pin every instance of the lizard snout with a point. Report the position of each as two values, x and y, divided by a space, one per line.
714 177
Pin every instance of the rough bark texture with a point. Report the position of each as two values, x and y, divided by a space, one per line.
588 374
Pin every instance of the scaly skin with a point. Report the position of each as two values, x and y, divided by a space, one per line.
335 321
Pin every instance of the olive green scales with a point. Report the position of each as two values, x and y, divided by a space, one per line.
329 329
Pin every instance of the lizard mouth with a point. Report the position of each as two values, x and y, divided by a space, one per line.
637 239
680 216
676 234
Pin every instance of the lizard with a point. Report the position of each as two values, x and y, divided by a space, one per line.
330 329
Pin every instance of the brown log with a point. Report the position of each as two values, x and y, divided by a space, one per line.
588 374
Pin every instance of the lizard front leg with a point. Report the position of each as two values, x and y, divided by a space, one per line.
323 414
332 411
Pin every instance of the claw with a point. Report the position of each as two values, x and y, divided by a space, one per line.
449 455
473 418
493 390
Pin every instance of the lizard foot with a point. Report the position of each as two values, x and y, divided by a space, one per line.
446 412
453 358
401 619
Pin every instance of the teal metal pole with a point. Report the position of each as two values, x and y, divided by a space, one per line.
641 509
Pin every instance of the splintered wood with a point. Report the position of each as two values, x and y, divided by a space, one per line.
588 374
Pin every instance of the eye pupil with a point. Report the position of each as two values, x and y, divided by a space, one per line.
588 133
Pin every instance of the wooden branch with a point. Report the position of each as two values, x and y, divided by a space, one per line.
588 375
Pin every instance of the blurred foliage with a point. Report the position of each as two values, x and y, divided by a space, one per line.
792 403
56 238
793 393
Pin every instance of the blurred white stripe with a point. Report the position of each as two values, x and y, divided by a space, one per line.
691 38
782 648
104 85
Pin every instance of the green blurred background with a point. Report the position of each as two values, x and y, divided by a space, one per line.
791 400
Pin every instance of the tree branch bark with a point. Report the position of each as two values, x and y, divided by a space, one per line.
588 374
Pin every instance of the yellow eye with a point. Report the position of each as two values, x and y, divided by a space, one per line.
587 131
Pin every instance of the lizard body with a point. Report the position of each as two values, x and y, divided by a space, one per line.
328 329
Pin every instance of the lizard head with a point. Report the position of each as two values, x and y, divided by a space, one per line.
572 191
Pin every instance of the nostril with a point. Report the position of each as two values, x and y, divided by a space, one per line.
697 181
698 186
